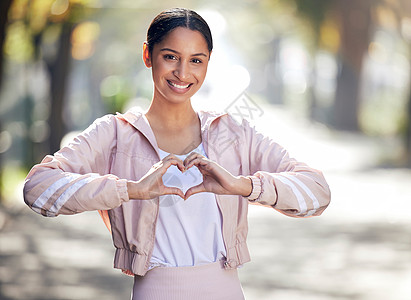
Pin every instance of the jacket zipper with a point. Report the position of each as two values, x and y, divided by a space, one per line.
154 226
154 236
222 231
218 203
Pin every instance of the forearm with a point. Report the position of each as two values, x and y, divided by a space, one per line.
297 194
51 192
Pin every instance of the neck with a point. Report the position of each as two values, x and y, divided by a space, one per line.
171 115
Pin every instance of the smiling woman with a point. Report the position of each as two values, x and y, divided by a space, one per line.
171 184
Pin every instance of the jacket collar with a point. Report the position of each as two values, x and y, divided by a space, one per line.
207 117
135 116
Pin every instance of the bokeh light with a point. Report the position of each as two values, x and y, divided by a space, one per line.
83 40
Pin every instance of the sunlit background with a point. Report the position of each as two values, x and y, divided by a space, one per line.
329 80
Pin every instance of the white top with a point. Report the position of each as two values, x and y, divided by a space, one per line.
189 232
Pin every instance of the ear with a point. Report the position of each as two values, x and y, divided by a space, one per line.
146 55
209 55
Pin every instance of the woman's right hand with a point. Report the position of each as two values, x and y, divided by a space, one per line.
151 184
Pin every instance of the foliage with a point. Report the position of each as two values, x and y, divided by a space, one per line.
30 19
11 179
314 10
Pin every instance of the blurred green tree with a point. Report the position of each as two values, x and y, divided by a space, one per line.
42 30
4 9
403 13
315 12
354 22
355 30
35 31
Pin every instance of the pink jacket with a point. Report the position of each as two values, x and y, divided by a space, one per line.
92 172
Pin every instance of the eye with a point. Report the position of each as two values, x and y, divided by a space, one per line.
196 61
170 57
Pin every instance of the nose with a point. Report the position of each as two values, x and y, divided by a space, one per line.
182 71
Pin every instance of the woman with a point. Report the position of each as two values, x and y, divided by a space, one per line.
174 200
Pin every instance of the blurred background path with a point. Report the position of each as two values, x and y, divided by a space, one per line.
360 248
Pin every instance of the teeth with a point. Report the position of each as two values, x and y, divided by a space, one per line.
179 86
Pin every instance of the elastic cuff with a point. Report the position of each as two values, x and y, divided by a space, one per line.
256 188
122 189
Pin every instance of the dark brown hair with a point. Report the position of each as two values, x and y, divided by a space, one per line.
172 18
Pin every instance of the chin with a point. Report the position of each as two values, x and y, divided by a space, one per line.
180 98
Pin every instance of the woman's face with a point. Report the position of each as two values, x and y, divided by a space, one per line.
179 64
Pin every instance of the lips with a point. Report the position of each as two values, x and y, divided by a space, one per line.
179 87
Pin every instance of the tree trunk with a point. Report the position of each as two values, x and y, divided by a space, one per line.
355 26
4 10
405 12
58 70
275 85
408 128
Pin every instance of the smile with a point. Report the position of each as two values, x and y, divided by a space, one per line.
179 86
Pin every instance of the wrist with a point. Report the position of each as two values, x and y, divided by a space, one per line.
244 186
134 191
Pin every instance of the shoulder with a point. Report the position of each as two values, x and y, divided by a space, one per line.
114 120
105 122
106 127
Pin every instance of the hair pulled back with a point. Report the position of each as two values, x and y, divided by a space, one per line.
172 18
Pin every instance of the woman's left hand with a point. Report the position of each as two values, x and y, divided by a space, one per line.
216 179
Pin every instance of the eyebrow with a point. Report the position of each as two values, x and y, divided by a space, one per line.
176 52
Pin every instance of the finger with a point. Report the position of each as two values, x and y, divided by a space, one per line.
191 156
172 157
195 190
173 191
175 161
198 161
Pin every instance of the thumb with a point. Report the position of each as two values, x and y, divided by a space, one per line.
194 190
173 191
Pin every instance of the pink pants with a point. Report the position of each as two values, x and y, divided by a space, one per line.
204 282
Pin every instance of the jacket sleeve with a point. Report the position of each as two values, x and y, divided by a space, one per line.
76 179
291 187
